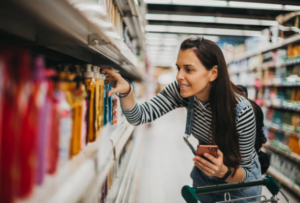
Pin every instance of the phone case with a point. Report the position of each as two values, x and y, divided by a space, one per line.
211 149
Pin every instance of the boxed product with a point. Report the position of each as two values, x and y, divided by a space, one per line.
294 144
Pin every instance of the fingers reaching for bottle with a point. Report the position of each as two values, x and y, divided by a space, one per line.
119 84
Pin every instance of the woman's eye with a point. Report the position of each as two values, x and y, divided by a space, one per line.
188 70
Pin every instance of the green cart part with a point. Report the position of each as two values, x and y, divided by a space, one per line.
189 193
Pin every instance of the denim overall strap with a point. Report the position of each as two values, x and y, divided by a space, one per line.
241 106
189 118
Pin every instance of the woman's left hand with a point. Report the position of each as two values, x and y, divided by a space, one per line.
216 168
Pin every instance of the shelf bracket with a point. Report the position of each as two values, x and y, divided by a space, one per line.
94 39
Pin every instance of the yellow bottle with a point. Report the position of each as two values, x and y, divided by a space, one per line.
91 111
79 95
96 70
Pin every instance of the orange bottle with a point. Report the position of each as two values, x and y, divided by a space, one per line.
91 110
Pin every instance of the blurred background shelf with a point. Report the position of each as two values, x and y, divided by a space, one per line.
285 42
284 180
291 156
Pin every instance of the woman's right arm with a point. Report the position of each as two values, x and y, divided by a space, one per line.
162 103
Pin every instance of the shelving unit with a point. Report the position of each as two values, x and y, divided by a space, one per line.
287 160
79 180
59 26
265 49
132 17
284 180
292 156
286 133
70 33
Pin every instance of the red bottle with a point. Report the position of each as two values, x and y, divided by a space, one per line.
15 66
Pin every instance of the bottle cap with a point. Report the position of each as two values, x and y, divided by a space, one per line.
77 69
66 68
88 73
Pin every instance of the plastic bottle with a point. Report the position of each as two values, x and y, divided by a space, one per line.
102 89
104 101
65 129
96 70
91 110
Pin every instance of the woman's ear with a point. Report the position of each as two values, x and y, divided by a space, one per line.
214 73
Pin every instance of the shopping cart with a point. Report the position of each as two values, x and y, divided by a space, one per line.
190 193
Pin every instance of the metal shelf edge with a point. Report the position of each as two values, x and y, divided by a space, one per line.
284 180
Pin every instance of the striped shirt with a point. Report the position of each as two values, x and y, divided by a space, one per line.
170 99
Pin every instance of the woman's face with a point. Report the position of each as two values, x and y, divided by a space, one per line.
192 76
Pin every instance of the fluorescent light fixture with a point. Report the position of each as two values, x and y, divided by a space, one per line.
180 18
160 35
200 30
291 8
161 39
209 19
157 1
157 48
163 42
200 3
224 4
239 4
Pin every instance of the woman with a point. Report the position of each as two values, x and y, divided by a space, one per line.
202 73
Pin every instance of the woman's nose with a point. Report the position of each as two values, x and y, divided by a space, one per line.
180 75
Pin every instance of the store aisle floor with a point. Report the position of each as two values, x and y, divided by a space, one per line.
166 162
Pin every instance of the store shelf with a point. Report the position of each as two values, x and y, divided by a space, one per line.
284 180
283 85
85 172
132 17
93 190
56 23
285 42
280 107
286 132
292 156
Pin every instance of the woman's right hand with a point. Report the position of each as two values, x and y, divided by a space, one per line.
119 84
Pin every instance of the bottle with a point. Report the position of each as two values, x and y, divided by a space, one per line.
78 99
65 129
90 116
97 97
102 87
43 129
104 100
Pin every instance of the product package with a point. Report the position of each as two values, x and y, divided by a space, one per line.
91 110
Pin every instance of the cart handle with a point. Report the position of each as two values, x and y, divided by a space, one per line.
189 193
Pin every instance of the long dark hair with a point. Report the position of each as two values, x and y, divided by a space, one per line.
222 99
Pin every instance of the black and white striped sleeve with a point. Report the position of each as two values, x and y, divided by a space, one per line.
246 128
164 102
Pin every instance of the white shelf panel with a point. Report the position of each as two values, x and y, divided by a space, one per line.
284 180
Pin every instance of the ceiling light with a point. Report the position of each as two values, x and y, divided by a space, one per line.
238 4
157 1
157 48
160 35
209 19
180 18
200 3
201 30
291 8
224 4
164 42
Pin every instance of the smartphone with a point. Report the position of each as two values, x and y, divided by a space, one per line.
211 149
